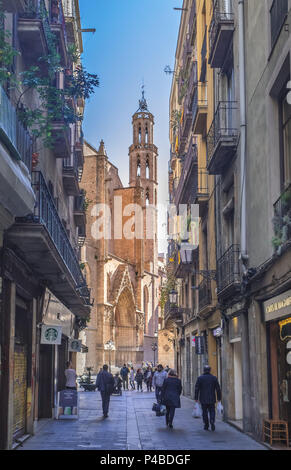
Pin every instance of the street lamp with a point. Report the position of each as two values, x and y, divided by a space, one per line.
173 296
110 347
154 348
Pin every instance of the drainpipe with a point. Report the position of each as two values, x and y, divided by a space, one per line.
246 392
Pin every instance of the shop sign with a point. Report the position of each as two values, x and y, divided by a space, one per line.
75 345
277 306
199 345
285 329
217 332
51 334
67 404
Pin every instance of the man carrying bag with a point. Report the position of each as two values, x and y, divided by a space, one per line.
207 389
105 385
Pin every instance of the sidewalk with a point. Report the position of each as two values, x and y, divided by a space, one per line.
133 425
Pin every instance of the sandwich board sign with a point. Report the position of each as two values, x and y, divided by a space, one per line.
68 404
51 334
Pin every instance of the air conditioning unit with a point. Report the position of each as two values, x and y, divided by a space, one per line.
14 6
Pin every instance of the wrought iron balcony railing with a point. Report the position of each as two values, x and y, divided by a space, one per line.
192 19
191 158
222 137
278 12
205 296
203 57
14 135
228 269
282 218
46 214
221 22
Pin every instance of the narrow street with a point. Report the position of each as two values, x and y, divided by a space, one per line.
132 425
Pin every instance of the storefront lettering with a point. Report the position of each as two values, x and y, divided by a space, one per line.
278 305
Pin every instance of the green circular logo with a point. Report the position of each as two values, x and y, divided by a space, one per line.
51 334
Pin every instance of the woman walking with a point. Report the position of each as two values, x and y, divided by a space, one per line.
139 379
170 397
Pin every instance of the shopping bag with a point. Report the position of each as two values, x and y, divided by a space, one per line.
156 407
197 412
162 410
219 409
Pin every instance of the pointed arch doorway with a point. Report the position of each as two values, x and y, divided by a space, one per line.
125 329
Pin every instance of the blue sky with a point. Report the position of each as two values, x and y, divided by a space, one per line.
134 41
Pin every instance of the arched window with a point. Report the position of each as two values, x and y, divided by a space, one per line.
138 167
145 307
139 134
147 196
146 135
147 168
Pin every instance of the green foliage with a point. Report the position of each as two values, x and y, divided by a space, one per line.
175 120
56 105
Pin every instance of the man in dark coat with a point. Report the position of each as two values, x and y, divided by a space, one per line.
205 388
124 371
105 385
170 396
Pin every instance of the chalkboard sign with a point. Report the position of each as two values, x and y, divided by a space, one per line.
67 404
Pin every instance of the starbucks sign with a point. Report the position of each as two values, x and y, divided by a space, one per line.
51 334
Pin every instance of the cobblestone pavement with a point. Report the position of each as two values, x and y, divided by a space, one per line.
133 425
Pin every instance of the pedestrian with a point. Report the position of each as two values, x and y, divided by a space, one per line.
159 376
105 385
71 376
205 388
124 371
131 378
167 368
139 379
170 396
148 379
117 384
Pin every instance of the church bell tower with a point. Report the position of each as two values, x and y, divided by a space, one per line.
143 171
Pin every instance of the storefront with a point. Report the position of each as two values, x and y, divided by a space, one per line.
277 315
53 353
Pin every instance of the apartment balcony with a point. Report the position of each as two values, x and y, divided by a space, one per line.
192 22
193 79
187 52
205 297
200 109
282 216
203 57
173 312
33 27
186 187
80 210
228 272
220 33
15 160
279 13
61 134
45 246
182 141
58 27
187 118
71 175
14 6
222 139
202 191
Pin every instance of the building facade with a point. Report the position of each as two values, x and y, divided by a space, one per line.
42 284
242 144
122 262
